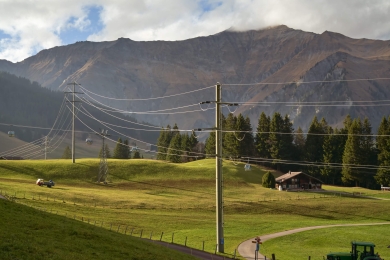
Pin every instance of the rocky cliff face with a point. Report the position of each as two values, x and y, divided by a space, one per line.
143 70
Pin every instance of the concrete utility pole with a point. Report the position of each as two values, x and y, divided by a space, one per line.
73 119
46 146
103 167
218 163
218 169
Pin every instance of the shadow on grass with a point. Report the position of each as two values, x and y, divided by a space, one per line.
315 212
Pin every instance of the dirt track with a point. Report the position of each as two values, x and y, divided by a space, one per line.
247 249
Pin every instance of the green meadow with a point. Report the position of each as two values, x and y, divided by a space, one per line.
159 200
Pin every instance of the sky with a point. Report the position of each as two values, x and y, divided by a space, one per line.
28 26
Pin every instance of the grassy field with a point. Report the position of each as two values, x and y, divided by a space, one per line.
151 197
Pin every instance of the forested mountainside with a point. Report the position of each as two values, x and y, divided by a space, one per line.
252 60
31 111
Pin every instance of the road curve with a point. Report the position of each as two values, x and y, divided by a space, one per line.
247 249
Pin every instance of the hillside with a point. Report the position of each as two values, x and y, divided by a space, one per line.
27 233
177 201
142 70
33 112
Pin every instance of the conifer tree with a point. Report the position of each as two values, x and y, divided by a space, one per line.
369 154
118 151
314 145
353 154
163 142
67 153
193 142
126 149
262 139
174 150
246 146
268 180
276 142
383 145
136 155
185 147
107 150
230 142
299 142
210 145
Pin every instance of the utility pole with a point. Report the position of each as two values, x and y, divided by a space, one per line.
218 163
218 169
73 119
103 167
46 146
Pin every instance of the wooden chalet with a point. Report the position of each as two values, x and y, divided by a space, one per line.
297 181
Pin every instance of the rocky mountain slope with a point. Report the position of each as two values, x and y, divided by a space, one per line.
147 70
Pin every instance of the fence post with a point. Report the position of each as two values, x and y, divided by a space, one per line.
234 256
273 257
203 246
172 237
151 234
132 231
141 232
185 243
118 228
216 246
162 233
309 257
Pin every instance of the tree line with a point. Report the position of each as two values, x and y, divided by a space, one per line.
350 155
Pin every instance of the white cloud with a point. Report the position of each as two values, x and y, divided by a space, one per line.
36 24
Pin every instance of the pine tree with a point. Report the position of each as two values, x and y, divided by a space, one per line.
230 142
118 151
107 150
246 146
163 143
174 150
299 142
262 139
126 149
136 155
193 142
353 154
276 128
383 145
314 152
268 180
67 153
369 154
185 147
210 145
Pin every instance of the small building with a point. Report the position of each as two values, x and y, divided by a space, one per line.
385 188
297 181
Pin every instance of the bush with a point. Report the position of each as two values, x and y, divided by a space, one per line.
268 180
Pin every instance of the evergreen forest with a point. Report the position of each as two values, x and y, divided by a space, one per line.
351 155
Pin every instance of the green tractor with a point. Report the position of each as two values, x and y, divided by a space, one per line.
360 251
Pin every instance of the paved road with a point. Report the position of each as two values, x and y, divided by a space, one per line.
247 249
190 251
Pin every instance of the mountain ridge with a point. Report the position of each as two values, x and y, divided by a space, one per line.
140 70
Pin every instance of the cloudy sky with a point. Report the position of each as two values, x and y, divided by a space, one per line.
28 26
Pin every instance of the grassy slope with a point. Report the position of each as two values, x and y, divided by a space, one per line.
27 233
157 197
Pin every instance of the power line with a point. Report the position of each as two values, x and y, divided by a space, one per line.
304 82
146 99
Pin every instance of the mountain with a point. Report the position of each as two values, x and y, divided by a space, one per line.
126 69
33 112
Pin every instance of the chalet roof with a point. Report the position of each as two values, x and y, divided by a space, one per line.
290 175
